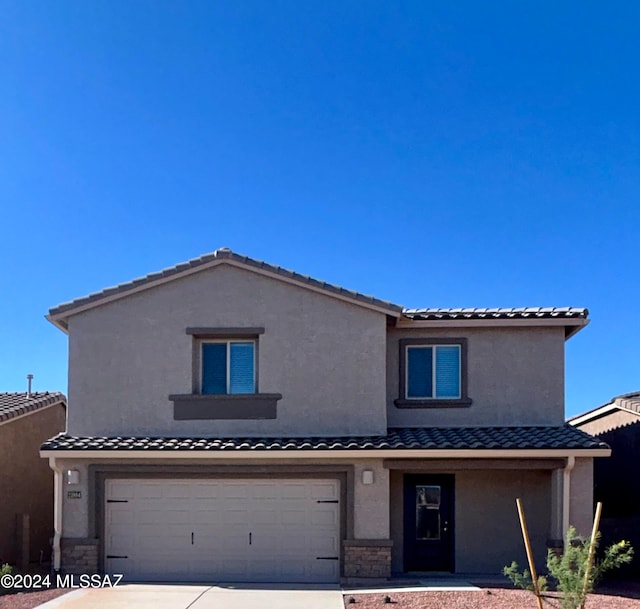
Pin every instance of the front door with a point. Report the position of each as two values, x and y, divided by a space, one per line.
428 522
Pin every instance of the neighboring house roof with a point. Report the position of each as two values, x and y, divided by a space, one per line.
627 402
572 318
430 438
15 404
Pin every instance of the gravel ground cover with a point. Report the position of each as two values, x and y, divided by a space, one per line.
616 596
28 600
487 598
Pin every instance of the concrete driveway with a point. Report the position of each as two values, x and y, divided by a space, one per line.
178 596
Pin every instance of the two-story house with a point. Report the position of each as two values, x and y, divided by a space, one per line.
230 420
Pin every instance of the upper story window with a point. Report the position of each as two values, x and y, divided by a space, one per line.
228 367
224 377
433 373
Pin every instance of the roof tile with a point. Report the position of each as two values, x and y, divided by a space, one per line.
15 404
501 313
402 438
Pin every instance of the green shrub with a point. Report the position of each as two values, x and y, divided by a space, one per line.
568 569
6 569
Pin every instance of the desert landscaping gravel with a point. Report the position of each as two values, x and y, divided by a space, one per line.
28 600
488 598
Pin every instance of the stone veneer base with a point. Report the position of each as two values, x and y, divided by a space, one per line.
367 558
79 555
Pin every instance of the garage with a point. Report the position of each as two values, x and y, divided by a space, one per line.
234 530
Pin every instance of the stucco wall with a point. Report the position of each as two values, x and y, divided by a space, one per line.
581 510
612 420
26 481
487 530
515 377
370 502
323 355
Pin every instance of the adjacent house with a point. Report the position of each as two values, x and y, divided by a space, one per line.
231 420
618 424
26 482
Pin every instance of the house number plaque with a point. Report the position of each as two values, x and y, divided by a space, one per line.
74 494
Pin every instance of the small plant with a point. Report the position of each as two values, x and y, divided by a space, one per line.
524 580
569 570
6 569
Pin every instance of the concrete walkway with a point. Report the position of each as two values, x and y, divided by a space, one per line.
233 596
239 596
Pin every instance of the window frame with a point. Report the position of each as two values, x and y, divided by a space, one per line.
198 406
404 401
227 342
201 335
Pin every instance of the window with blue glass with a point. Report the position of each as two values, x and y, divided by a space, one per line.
433 372
228 367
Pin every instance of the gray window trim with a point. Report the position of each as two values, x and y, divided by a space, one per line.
224 335
215 332
404 402
208 407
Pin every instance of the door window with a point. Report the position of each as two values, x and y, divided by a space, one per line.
428 512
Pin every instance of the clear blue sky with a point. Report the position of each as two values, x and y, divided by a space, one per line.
429 153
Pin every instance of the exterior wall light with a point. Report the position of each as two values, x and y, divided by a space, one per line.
73 476
367 476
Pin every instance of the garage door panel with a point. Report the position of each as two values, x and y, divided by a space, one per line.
293 517
325 518
123 542
326 491
235 516
264 492
325 545
206 491
124 516
149 491
122 490
286 524
231 490
265 517
294 491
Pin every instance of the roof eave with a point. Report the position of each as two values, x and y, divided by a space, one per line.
599 413
571 329
59 321
530 453
571 326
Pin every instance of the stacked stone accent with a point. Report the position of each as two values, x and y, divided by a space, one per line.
79 556
367 558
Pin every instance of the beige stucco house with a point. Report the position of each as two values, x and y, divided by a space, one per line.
230 420
26 483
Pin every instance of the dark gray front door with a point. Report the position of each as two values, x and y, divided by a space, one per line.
428 522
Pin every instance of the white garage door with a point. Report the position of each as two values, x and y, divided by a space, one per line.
223 530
